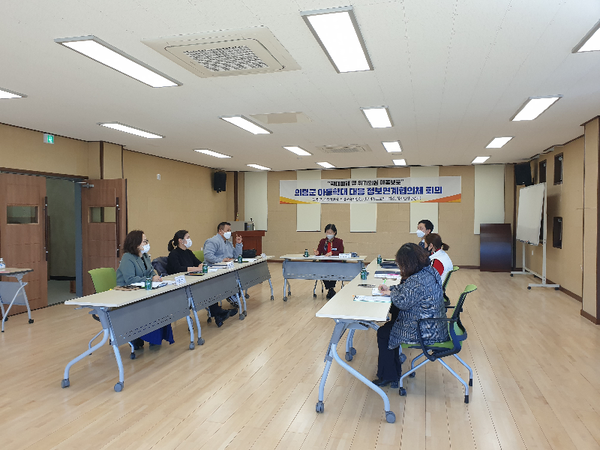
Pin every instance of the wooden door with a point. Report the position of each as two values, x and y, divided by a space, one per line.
22 233
103 216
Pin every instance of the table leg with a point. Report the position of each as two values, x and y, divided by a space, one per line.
121 383
191 328
193 308
20 278
271 285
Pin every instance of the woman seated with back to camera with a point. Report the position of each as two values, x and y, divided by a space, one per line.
182 259
135 267
418 296
439 258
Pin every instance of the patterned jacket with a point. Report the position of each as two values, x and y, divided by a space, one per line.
420 296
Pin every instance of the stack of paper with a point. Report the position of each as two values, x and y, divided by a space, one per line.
372 299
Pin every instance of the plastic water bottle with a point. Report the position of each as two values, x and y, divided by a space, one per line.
2 265
306 253
205 268
379 259
148 284
239 259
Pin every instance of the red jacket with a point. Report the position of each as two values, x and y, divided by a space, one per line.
337 246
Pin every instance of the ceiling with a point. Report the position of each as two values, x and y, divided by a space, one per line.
452 73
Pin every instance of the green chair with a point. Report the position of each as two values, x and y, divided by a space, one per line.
446 299
435 352
104 279
199 254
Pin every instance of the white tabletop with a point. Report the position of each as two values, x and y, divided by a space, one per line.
301 257
9 271
343 306
117 299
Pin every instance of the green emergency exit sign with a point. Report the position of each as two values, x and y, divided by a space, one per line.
48 139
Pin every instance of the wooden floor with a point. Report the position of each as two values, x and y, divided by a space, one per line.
254 384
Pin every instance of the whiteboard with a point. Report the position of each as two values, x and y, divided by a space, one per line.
529 217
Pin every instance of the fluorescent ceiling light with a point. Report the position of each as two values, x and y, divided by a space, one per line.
499 142
399 162
298 151
326 165
480 160
9 94
246 124
127 129
110 56
533 107
337 32
256 166
378 117
211 153
392 147
590 42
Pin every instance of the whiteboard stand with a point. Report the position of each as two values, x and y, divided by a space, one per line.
525 270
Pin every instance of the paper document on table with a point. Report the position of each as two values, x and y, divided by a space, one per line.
391 274
372 299
377 292
249 259
155 284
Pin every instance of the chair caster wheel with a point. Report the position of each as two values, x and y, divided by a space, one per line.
528 288
247 296
285 299
511 275
412 375
352 351
320 407
349 356
132 356
402 392
390 417
119 386
192 346
314 295
200 341
31 320
272 298
209 320
65 383
242 316
556 289
466 399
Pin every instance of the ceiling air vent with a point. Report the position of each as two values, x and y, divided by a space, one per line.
226 53
351 148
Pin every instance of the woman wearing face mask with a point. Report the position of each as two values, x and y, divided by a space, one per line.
330 245
181 258
135 267
439 258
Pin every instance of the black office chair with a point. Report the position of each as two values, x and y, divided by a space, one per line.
435 352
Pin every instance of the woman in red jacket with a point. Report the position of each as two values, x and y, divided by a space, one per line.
330 245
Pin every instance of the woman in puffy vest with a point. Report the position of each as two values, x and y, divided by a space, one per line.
439 258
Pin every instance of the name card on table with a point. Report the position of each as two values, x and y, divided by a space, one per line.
180 280
345 255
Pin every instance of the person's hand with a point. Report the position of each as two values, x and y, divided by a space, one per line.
384 289
238 239
329 254
227 259
195 269
316 252
156 278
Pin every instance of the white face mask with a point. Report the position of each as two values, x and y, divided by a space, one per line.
420 234
146 248
188 243
330 236
227 235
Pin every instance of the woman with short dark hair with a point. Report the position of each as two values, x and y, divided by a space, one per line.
418 296
330 245
136 267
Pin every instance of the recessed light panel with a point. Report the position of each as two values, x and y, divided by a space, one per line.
326 165
337 32
534 106
590 42
499 142
259 167
9 94
211 153
480 160
110 56
399 162
127 129
392 147
245 124
298 151
378 117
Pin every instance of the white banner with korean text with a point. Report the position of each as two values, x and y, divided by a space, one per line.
375 190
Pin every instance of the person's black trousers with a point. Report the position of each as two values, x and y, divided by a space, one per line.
329 284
